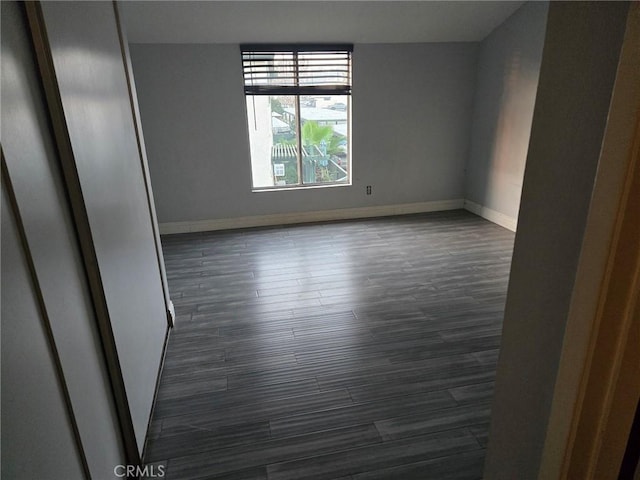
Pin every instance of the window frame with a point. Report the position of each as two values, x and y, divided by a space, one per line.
291 85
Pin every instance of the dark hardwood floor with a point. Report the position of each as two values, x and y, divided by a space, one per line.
353 350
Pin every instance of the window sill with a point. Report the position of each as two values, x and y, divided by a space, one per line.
298 187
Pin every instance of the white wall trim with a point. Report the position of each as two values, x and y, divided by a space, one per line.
494 216
307 217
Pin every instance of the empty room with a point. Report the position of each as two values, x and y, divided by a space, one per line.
358 347
331 240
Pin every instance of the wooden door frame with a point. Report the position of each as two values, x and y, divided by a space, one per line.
598 383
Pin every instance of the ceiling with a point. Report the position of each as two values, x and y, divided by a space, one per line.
313 21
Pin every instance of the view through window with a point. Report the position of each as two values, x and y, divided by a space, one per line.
298 113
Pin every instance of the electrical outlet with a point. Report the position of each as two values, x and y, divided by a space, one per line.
368 189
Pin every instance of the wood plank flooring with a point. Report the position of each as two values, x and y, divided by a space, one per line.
356 350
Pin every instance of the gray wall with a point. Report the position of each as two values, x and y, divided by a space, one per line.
412 109
583 41
507 81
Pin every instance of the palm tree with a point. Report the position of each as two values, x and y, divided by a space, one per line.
335 145
314 134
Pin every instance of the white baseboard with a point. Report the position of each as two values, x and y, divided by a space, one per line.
491 215
308 217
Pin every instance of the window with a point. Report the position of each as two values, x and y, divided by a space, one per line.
298 112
